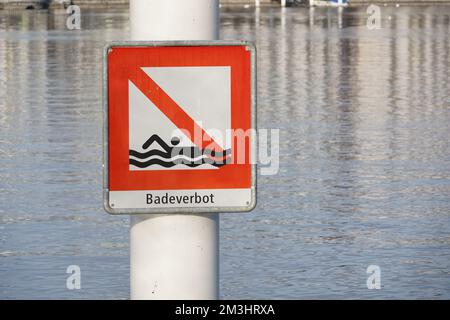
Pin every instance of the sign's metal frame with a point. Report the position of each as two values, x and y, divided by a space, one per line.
253 147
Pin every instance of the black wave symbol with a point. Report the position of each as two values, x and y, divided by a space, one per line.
217 159
186 151
170 164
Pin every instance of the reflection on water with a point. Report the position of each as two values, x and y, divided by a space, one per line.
364 169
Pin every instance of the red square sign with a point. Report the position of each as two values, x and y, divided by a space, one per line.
179 127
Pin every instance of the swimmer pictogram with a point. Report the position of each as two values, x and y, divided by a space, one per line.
172 154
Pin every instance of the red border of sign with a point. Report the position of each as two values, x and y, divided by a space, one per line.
124 63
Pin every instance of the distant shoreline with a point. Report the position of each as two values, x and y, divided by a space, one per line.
61 4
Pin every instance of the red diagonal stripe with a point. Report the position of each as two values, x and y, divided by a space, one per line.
171 109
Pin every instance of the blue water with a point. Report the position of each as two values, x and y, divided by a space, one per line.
364 173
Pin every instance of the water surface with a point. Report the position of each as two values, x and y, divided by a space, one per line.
364 157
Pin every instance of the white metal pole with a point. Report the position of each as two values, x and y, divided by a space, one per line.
283 3
174 256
